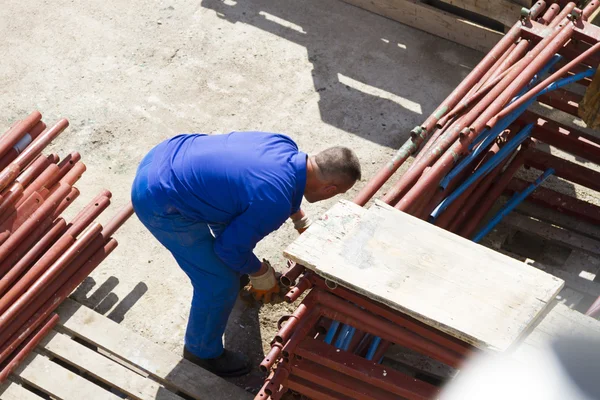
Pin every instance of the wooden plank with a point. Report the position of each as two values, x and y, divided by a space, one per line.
162 365
523 3
560 219
553 233
104 369
59 382
466 290
560 320
13 391
429 19
573 281
503 11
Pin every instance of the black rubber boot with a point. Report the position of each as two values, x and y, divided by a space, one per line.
228 365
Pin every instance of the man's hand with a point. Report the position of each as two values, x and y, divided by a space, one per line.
264 284
301 221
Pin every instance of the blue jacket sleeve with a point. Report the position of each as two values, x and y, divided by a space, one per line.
235 244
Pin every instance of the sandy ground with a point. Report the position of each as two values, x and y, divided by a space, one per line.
128 74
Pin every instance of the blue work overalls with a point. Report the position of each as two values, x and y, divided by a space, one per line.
192 245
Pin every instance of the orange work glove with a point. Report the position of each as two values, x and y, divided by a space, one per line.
264 286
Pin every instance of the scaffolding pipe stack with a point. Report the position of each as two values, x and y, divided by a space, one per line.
43 258
466 156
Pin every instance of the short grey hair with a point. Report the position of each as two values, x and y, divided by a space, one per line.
339 164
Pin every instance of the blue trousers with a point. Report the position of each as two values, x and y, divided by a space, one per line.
191 243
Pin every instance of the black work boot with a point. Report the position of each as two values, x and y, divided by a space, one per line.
228 365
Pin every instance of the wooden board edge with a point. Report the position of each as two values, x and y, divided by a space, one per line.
455 29
508 13
11 390
104 369
37 369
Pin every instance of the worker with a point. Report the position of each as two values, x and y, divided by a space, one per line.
209 199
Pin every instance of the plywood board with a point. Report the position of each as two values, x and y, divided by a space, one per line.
418 15
164 366
459 287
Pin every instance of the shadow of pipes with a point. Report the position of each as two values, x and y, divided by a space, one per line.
375 78
103 299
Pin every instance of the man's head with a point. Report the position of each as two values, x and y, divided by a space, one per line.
330 172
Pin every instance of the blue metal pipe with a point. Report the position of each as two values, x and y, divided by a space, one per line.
331 332
342 336
348 338
373 348
487 137
545 69
515 200
493 162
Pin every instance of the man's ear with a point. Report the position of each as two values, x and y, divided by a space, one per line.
331 190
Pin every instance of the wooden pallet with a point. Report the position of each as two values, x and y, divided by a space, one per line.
91 357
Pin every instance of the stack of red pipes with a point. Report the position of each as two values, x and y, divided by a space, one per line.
43 258
466 156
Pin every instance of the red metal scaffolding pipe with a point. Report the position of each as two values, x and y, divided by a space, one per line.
386 330
290 276
355 388
65 166
492 194
412 144
36 147
312 390
401 320
550 14
557 201
31 344
537 9
501 94
563 137
35 169
71 197
566 11
11 196
12 137
53 296
361 369
589 9
11 306
14 271
74 174
515 80
41 181
22 144
492 119
563 168
22 213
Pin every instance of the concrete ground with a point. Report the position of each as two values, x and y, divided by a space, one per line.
128 74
